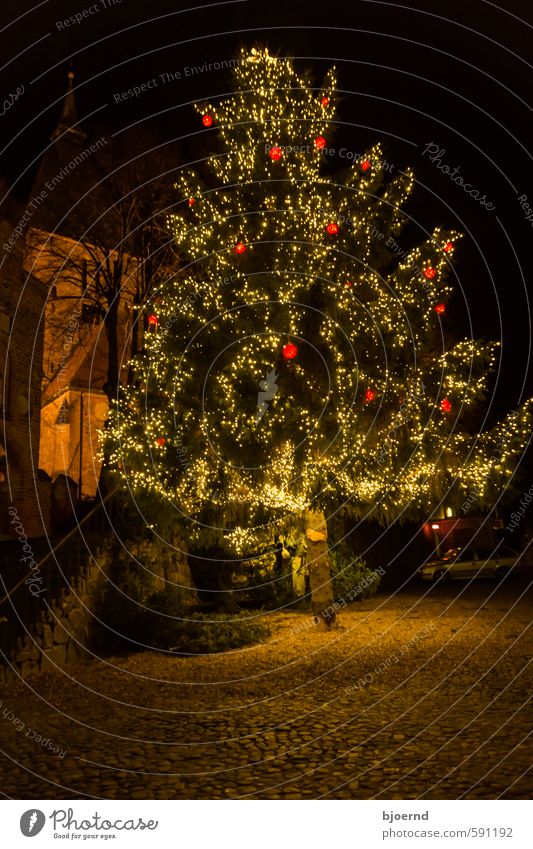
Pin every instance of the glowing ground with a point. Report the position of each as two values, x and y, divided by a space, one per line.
418 695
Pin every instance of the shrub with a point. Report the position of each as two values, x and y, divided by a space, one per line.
163 620
203 633
264 587
266 581
120 605
352 580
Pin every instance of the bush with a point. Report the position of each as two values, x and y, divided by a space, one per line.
120 605
352 580
268 579
264 583
163 620
200 633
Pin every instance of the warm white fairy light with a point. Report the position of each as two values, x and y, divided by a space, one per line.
361 312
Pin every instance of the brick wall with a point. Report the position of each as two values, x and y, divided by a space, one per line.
62 631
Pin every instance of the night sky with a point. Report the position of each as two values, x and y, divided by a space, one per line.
455 74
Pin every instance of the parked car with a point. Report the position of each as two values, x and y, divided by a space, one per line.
468 563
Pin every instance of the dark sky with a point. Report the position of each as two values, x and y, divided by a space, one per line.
457 74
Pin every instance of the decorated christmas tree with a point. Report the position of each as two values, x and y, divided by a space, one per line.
298 364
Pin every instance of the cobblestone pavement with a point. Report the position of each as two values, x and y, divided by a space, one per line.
425 694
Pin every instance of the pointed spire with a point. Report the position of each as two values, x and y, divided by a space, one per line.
69 117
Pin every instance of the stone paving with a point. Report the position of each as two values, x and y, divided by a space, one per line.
424 694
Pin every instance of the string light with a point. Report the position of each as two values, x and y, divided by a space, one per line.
223 325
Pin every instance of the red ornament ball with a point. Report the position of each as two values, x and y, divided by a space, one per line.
445 405
348 284
290 351
160 441
365 165
153 320
332 228
429 273
448 247
440 308
369 396
192 201
240 248
325 102
207 120
320 142
275 153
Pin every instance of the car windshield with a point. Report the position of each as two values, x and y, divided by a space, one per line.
466 554
450 555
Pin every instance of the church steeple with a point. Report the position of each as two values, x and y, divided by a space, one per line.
69 117
60 175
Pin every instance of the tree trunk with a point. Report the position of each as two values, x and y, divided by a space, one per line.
111 326
111 385
318 561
